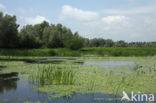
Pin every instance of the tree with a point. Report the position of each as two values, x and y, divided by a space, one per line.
55 40
86 42
109 43
121 43
97 42
29 38
74 42
32 36
53 37
8 31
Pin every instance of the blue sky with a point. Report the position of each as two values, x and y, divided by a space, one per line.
129 20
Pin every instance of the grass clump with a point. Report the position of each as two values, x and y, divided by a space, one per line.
54 76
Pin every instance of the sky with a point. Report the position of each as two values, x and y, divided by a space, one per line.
129 20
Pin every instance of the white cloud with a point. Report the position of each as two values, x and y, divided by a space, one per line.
2 6
70 13
120 24
137 10
35 20
111 19
74 13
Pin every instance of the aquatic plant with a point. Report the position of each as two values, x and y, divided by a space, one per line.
54 76
67 78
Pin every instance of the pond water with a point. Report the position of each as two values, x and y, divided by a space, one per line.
111 63
12 90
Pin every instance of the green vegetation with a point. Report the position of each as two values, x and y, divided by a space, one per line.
45 35
100 51
54 76
68 78
50 58
120 51
8 31
95 81
63 76
27 52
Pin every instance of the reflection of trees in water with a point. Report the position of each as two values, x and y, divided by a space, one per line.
8 81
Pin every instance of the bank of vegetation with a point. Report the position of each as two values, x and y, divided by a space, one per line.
46 39
94 51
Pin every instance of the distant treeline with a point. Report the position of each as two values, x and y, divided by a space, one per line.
45 35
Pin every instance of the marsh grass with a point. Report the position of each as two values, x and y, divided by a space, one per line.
54 76
100 51
66 79
27 52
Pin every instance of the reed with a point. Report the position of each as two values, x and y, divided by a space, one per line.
54 76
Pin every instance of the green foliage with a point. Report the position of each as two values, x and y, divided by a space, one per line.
27 52
120 51
99 42
53 36
32 36
8 31
54 76
57 81
121 43
74 42
28 38
45 35
50 36
97 51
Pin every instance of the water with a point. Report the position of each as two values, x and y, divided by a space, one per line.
111 63
12 90
15 90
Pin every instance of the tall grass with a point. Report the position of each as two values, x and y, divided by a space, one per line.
101 51
27 52
54 76
120 51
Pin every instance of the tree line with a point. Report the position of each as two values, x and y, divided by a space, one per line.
45 35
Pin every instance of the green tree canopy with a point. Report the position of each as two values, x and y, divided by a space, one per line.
74 42
8 31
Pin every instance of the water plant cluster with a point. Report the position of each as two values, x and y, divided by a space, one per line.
54 76
91 79
68 78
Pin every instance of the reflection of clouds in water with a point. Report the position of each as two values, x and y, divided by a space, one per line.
111 63
21 91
